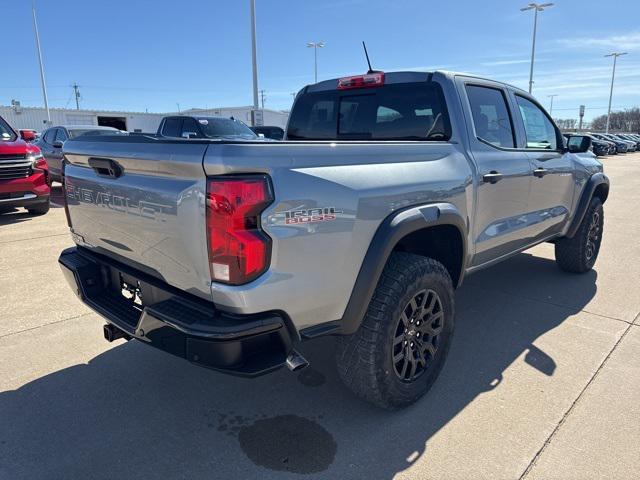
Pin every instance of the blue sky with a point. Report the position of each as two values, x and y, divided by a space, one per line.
137 55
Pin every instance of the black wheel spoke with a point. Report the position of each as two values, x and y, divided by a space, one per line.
405 364
398 356
432 303
416 339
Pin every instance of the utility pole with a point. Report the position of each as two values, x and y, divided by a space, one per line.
581 114
536 7
551 106
76 92
615 56
44 84
262 97
254 53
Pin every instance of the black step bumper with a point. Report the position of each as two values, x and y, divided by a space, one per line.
177 322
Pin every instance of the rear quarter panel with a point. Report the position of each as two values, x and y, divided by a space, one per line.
314 265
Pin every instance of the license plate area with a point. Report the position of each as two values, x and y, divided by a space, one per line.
131 290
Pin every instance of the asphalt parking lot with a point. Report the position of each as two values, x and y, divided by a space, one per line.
543 381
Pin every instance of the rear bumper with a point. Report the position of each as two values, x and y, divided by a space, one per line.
176 322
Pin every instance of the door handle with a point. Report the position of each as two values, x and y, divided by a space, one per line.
106 167
540 172
492 177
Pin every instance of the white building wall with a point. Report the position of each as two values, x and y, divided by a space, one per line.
35 118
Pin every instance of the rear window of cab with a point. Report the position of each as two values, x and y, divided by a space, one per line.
402 111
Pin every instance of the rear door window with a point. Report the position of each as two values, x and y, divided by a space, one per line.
190 126
403 111
491 117
171 127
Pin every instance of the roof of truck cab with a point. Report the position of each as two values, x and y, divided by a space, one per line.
406 77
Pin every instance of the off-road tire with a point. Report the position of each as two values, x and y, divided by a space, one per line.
366 358
39 209
579 254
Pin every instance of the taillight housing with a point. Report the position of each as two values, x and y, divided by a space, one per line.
369 80
239 250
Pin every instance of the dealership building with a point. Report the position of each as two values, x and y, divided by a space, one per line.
36 118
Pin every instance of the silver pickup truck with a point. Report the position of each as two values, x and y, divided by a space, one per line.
388 189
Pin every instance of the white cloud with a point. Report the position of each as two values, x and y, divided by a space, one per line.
499 63
629 41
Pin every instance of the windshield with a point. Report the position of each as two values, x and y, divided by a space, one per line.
402 111
225 127
6 132
88 131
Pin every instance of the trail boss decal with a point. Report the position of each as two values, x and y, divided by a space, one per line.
311 215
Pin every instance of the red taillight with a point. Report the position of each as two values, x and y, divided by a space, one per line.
361 81
239 250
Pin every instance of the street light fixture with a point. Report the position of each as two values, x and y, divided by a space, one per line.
551 106
615 56
536 7
315 46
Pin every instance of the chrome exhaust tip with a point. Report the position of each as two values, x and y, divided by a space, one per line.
295 361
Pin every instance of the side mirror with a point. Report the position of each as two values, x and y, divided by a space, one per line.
261 135
578 143
189 135
27 135
58 144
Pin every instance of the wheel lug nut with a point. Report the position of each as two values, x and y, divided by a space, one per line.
412 320
418 322
418 334
405 342
412 344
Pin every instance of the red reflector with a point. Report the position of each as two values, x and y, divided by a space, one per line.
361 81
239 250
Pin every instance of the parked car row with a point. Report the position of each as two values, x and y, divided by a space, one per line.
612 143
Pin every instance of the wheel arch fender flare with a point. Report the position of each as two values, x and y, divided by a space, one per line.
598 184
393 229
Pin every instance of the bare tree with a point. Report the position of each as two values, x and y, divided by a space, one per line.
622 121
566 123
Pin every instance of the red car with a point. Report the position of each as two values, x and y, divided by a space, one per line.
24 176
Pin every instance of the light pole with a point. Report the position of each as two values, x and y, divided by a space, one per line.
254 53
315 46
536 7
44 85
551 106
615 56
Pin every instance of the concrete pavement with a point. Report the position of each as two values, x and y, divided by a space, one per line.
542 381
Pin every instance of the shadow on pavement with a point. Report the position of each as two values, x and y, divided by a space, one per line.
14 215
133 412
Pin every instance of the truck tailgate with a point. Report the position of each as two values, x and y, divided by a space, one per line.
142 200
